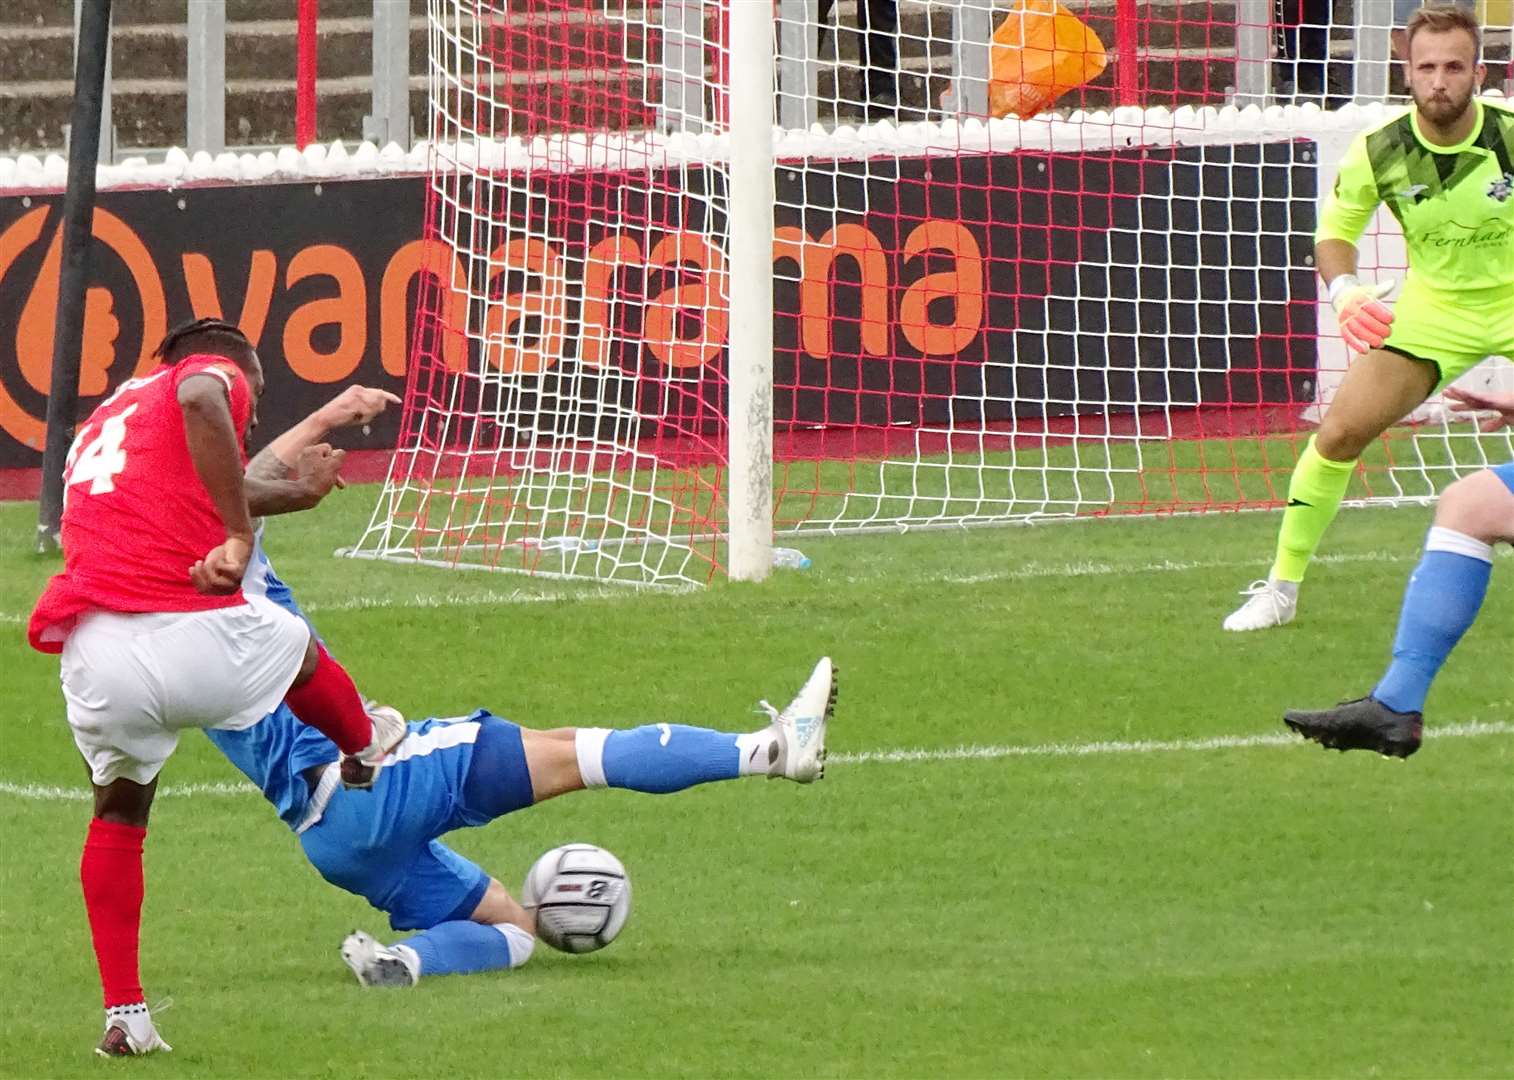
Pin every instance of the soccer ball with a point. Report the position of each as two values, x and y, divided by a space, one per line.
581 896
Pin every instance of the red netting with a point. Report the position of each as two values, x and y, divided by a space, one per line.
974 321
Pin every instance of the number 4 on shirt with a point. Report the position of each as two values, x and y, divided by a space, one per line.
101 458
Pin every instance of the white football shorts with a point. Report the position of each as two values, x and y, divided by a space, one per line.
133 682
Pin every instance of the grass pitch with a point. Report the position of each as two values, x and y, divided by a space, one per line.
1100 862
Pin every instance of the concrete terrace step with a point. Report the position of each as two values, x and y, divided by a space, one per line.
1170 80
161 50
137 12
267 48
151 112
563 66
926 25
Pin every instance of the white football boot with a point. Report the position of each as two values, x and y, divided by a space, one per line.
379 965
360 770
1268 604
798 745
129 1032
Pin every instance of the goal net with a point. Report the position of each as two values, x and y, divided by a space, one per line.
1104 308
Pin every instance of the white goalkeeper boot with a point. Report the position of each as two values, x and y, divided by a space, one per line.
797 744
129 1032
1268 603
379 965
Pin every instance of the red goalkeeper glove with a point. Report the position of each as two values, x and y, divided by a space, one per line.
1365 320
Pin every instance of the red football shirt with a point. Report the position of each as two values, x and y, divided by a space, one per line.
135 515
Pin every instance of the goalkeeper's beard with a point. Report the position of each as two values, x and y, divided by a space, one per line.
1441 110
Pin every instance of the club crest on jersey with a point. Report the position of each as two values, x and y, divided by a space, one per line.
1500 190
1413 193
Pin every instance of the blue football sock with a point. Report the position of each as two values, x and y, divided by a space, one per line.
460 948
1442 600
662 758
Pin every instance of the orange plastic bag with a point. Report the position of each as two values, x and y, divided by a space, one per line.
1040 51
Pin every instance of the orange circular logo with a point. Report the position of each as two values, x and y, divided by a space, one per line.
32 342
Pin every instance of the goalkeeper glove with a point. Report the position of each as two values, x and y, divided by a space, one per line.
1364 319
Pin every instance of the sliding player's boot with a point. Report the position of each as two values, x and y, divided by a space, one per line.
1268 604
1363 724
378 965
799 730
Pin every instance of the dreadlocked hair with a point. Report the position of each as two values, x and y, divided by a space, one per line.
213 336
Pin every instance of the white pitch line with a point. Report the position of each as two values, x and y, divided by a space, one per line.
1026 572
1031 571
421 600
51 793
1471 730
484 599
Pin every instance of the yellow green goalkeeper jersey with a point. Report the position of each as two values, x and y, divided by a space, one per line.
1455 203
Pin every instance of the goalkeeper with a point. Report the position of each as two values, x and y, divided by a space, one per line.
1445 168
1445 593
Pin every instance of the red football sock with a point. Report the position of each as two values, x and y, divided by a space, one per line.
111 873
329 702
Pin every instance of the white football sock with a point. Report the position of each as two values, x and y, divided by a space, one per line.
589 744
758 752
521 943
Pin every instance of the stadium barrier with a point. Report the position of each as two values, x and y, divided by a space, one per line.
328 292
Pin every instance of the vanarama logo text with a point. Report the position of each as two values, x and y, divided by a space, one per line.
630 297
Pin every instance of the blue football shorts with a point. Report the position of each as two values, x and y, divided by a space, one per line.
1505 472
383 844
